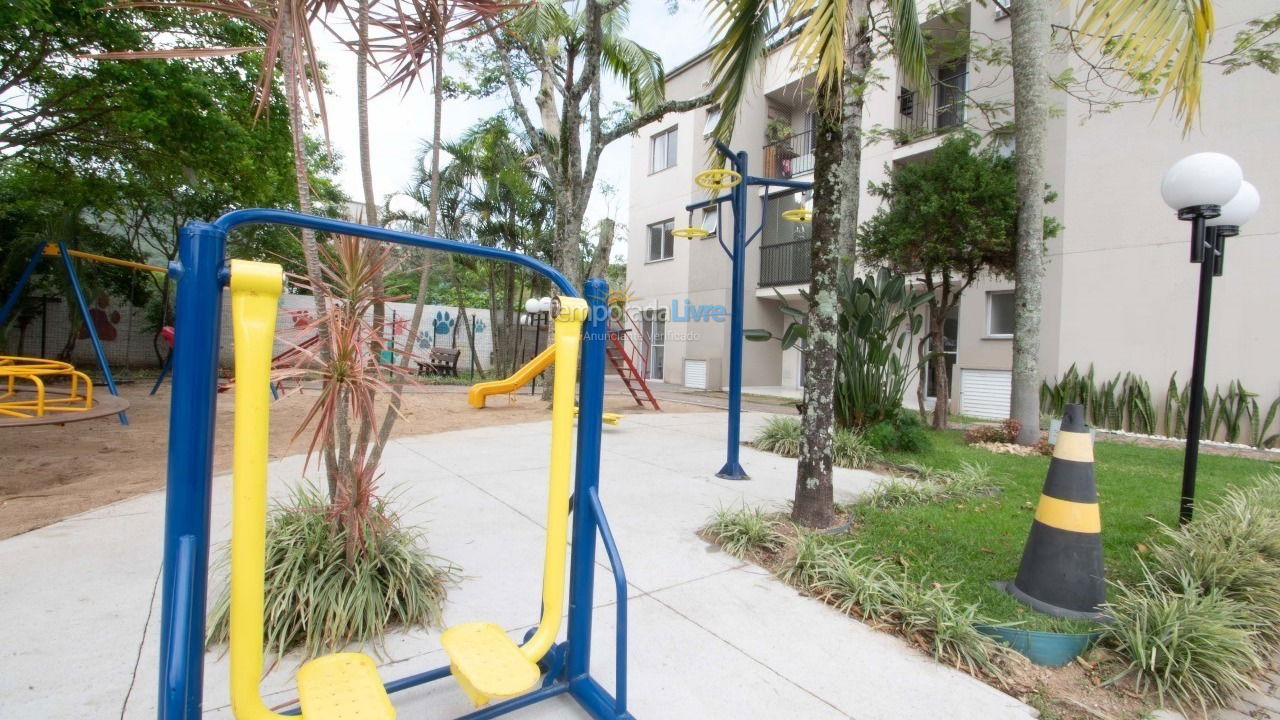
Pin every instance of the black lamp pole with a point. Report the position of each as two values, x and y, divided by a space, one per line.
1206 249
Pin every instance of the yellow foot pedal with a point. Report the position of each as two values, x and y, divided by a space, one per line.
606 418
343 686
488 664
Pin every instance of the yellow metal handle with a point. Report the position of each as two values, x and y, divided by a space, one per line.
572 313
255 294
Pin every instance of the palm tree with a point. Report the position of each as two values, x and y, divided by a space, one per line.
568 47
835 44
1144 39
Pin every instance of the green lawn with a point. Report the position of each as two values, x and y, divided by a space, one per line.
978 541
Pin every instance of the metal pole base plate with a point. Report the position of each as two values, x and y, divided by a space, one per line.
733 471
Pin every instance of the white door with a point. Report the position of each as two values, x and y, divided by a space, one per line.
655 328
985 393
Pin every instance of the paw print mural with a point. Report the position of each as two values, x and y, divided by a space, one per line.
479 326
443 322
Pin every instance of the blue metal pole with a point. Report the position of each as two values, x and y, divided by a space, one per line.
22 283
88 323
164 371
198 272
732 469
582 559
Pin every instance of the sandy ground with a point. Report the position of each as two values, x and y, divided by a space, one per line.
52 472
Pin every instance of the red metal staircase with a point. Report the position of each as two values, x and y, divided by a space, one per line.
627 341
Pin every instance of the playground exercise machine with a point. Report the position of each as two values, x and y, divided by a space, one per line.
61 250
735 181
495 672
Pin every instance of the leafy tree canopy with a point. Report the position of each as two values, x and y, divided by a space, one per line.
953 213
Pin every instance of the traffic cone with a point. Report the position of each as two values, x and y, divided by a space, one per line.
1061 572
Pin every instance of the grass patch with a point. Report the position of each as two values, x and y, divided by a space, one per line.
783 435
977 540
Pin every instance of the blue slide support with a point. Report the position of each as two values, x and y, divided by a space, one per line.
201 273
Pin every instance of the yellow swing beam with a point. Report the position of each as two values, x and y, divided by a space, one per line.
488 664
332 687
52 249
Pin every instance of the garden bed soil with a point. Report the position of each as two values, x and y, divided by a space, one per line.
52 472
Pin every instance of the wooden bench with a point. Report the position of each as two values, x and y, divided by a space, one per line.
440 361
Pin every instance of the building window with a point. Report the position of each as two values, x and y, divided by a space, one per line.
662 243
713 119
663 150
1000 314
710 220
654 326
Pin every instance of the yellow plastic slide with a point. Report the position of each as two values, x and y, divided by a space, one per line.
519 379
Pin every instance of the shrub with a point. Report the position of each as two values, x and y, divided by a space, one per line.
903 432
321 598
1006 432
811 552
1194 647
971 480
781 435
928 613
743 531
1232 547
852 451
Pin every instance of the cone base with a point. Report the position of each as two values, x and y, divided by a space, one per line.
1048 609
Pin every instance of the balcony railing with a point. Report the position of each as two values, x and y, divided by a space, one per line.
939 110
789 157
785 263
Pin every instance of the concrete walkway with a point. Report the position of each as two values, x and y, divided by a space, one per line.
711 637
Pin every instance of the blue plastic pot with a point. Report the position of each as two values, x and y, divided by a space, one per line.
1050 649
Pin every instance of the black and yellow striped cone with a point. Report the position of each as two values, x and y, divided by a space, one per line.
1061 570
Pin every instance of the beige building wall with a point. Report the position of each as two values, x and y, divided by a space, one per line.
1118 292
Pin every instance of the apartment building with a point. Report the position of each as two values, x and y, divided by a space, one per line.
1119 291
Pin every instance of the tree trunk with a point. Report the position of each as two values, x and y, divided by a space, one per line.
1030 26
814 500
857 59
604 246
366 166
310 253
938 343
424 275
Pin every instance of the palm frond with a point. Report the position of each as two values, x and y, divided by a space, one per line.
820 46
1154 39
908 42
639 66
742 30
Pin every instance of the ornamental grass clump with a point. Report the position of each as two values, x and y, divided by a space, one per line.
744 531
969 481
1194 647
781 435
811 552
929 614
320 600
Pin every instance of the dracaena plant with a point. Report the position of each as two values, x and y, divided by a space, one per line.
348 361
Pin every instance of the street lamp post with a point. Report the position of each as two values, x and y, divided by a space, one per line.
1208 190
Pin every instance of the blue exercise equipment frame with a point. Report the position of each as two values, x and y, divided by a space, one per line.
201 272
737 199
70 268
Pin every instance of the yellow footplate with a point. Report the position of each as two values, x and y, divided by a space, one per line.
343 686
488 664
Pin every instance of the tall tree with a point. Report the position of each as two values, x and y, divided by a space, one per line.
835 44
1164 40
946 220
566 49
